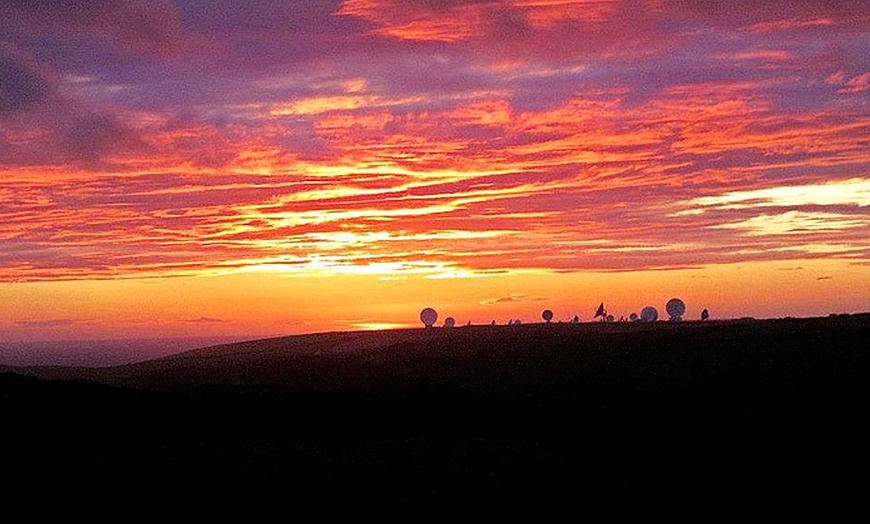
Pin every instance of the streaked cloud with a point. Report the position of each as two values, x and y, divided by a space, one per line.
516 297
204 320
42 324
853 191
790 24
856 84
796 223
430 139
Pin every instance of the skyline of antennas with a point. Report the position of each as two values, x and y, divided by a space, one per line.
675 308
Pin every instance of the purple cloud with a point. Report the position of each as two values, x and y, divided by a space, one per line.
205 320
40 324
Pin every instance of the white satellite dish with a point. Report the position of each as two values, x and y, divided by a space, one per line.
633 317
449 322
676 308
428 317
649 314
547 315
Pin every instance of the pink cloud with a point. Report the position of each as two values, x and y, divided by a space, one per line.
438 137
856 84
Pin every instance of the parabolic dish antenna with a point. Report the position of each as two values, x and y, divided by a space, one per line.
676 308
633 317
449 322
547 315
428 317
649 314
609 318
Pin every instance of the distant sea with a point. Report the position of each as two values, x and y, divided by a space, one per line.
100 353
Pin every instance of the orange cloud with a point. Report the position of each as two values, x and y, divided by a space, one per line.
409 21
553 154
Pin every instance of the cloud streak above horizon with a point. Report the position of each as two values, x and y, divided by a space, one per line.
442 139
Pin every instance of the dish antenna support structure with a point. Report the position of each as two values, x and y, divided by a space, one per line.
676 308
547 315
600 312
428 317
649 314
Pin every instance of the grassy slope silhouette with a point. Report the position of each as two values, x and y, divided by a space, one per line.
526 412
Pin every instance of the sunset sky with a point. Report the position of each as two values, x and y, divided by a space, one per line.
272 167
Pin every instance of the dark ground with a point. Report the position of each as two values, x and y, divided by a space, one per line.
521 413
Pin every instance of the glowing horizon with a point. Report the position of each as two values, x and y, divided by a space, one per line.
487 158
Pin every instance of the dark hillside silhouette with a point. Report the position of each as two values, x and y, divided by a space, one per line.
531 412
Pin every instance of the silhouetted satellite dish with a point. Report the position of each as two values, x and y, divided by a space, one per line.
649 314
547 315
705 314
676 308
449 322
428 317
609 318
600 312
517 322
633 317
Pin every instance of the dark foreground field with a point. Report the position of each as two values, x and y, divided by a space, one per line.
521 413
